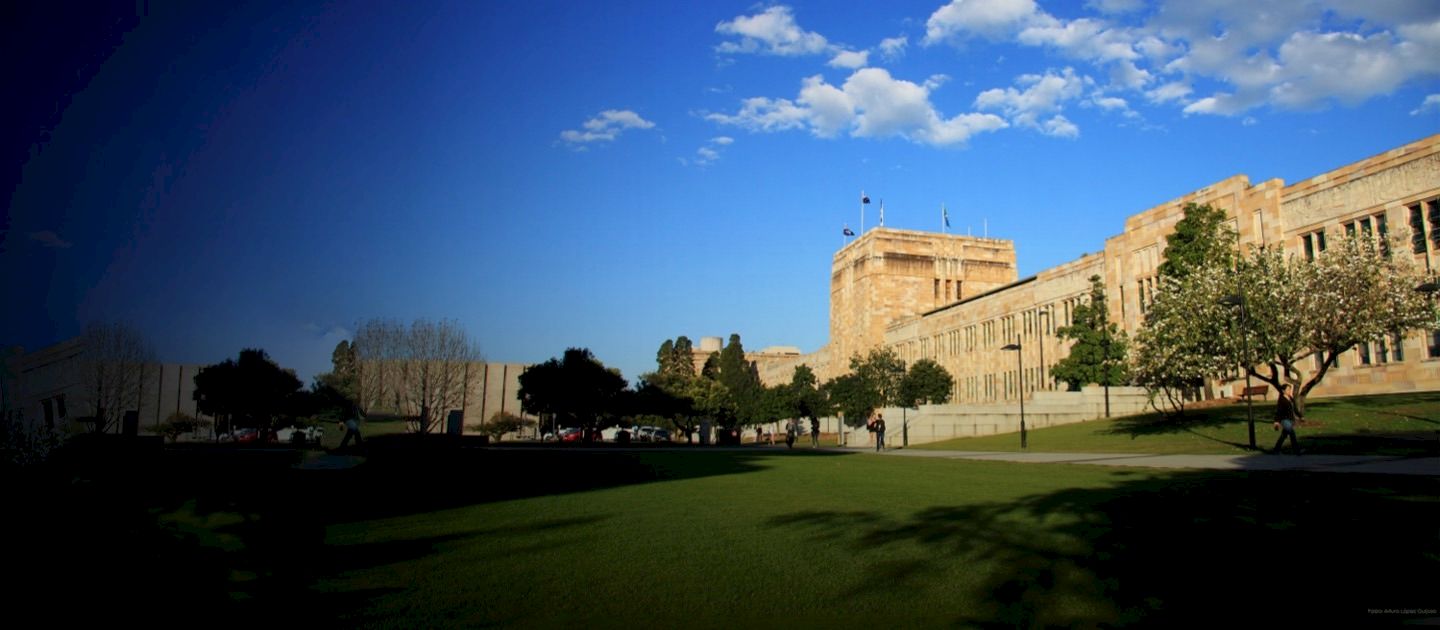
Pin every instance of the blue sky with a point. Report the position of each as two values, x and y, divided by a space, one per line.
612 174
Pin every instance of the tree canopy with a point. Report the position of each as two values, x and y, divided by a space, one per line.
576 389
252 391
1201 239
926 382
1098 354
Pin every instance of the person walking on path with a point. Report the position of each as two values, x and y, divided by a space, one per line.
1285 420
790 430
814 433
879 432
352 429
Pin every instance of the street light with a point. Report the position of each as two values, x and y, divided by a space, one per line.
1020 356
1239 300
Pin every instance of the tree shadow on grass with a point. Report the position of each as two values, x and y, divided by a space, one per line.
1188 549
238 535
1155 424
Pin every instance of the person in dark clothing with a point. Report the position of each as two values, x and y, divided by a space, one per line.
791 429
814 433
352 429
879 432
1285 420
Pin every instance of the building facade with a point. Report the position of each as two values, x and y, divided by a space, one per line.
958 300
44 391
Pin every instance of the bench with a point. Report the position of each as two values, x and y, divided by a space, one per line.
1256 390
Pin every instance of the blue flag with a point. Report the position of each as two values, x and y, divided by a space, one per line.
848 231
946 214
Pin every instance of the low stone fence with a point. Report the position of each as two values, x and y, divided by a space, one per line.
932 423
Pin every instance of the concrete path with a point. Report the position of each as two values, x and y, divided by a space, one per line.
1374 464
1380 464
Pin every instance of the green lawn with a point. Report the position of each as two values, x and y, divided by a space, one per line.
1394 424
568 537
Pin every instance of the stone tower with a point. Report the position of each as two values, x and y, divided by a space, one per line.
889 274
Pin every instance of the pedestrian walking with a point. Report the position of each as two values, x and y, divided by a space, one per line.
790 431
352 429
879 432
814 433
1285 420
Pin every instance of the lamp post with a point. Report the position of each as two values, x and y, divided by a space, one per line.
1239 300
1044 384
1020 357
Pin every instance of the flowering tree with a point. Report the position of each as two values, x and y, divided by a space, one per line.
1278 316
1296 309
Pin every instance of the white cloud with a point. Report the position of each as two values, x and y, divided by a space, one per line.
1116 6
893 48
1127 75
850 59
773 32
709 153
831 109
1223 104
989 18
604 127
1249 121
1431 103
1083 38
1247 54
1343 66
1109 102
765 114
1041 95
49 239
1173 91
869 104
1060 127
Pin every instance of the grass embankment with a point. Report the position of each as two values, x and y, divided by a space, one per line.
1393 424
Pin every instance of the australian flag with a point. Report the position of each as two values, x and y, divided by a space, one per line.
864 199
849 232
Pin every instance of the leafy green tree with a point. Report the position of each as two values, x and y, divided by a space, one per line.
1201 239
925 383
742 386
881 370
1178 348
1098 355
853 398
252 391
576 390
806 398
873 382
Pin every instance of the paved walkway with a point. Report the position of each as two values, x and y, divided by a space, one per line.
1381 464
1374 464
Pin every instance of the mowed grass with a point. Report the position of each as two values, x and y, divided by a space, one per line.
569 538
1394 424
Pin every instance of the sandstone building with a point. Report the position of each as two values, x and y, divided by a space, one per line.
958 299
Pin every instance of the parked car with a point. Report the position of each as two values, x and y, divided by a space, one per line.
644 434
239 436
660 435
